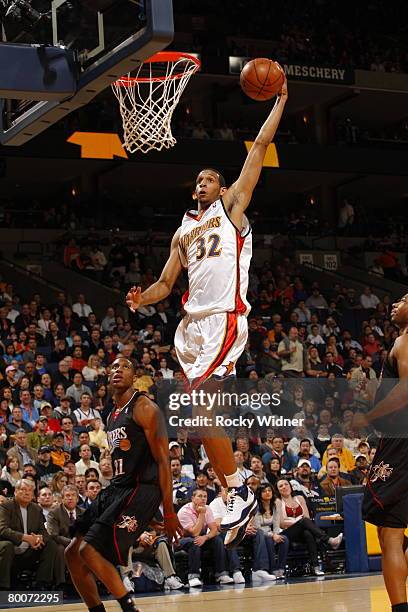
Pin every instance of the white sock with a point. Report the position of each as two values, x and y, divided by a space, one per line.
234 480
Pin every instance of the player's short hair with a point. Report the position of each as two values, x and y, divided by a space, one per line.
221 179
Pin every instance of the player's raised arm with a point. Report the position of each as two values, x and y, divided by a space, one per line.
396 399
161 288
148 415
239 194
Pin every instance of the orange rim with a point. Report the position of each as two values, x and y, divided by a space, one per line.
159 58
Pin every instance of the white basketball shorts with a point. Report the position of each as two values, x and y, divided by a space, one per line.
211 345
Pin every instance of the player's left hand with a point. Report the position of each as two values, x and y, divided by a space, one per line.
284 91
173 528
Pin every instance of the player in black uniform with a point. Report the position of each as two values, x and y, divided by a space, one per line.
386 497
141 481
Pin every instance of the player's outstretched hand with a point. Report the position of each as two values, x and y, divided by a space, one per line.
173 528
284 91
134 298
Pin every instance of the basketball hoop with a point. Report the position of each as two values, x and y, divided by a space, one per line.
148 99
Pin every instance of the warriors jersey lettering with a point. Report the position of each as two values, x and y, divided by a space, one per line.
217 258
132 460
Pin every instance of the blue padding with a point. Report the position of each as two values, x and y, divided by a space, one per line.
37 72
374 563
354 531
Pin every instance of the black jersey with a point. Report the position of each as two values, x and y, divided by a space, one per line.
132 459
395 423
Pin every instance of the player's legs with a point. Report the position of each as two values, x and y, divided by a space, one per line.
81 575
218 341
103 569
394 565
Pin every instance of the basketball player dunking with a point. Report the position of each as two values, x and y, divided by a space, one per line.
141 481
386 496
214 243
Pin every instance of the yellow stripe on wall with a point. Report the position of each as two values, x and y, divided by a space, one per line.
271 158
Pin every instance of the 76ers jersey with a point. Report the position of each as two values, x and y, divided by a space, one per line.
217 258
132 460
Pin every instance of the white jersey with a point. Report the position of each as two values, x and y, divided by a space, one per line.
217 258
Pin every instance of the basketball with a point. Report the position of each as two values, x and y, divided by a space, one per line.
261 78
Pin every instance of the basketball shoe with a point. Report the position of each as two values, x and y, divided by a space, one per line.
241 506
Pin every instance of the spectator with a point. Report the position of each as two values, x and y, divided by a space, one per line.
92 490
11 472
45 501
201 533
202 482
368 299
93 370
109 321
333 478
58 455
29 414
85 461
278 451
106 470
314 338
84 438
182 484
58 482
64 409
80 483
359 474
21 450
257 469
239 460
60 519
264 520
346 458
71 439
316 301
291 352
152 546
24 539
76 390
70 471
41 436
331 367
309 453
305 481
165 370
45 466
81 308
16 421
85 414
97 435
294 520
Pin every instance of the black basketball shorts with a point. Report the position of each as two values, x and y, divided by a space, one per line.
386 497
117 517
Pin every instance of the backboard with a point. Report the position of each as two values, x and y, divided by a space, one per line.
109 39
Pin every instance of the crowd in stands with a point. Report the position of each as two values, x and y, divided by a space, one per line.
327 34
321 353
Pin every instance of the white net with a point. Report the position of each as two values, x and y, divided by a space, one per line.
147 102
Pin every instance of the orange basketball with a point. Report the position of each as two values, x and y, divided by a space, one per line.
262 78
